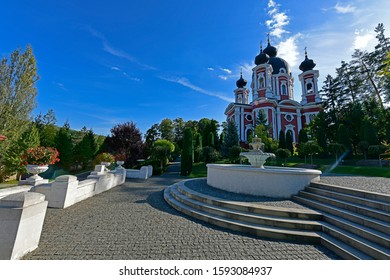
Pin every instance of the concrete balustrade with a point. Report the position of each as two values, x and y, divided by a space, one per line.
144 172
66 190
21 220
23 208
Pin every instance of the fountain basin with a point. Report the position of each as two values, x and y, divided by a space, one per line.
276 182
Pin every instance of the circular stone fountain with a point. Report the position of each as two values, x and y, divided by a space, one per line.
255 179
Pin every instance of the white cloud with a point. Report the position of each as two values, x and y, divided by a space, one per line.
288 49
226 70
344 9
115 68
186 83
278 21
271 4
362 41
210 69
222 77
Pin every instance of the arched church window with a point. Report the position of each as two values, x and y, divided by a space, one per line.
284 89
262 83
309 88
282 70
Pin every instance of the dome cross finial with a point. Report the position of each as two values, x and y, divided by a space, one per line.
268 40
261 46
305 52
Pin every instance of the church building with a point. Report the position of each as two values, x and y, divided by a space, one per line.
272 93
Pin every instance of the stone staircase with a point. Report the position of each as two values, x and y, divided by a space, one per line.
350 236
356 223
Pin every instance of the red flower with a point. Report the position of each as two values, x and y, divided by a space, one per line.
41 156
2 137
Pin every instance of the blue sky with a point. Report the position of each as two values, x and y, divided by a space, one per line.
106 62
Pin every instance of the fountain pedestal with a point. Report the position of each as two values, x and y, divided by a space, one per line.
258 180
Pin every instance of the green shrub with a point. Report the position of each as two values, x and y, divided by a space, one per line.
104 157
234 154
209 154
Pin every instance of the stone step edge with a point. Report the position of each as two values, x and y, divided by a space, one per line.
370 212
351 216
356 192
343 250
261 231
372 235
371 203
249 207
281 222
370 248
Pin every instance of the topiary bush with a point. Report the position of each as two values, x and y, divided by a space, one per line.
103 157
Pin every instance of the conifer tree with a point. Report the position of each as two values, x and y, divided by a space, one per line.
289 142
282 140
187 153
64 145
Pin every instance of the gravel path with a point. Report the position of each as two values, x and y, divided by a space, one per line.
371 184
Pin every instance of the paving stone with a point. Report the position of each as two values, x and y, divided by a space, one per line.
132 221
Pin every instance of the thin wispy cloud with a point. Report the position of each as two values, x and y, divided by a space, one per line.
108 48
226 70
210 69
278 20
60 85
340 9
115 68
186 83
222 77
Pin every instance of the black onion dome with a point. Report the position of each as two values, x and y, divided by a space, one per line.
262 57
279 63
241 83
307 64
270 50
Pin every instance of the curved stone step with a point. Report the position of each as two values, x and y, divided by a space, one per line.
353 192
373 250
341 249
248 217
306 214
352 207
364 232
351 216
379 205
257 230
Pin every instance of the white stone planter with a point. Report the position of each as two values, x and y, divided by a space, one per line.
269 181
35 170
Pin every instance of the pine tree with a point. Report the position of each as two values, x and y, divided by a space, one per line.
282 140
187 153
64 145
85 150
302 136
230 138
289 142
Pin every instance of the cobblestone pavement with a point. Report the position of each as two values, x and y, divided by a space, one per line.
132 221
371 184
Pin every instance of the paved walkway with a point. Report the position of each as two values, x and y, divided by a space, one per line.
132 221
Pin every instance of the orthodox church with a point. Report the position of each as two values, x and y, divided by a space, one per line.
272 93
